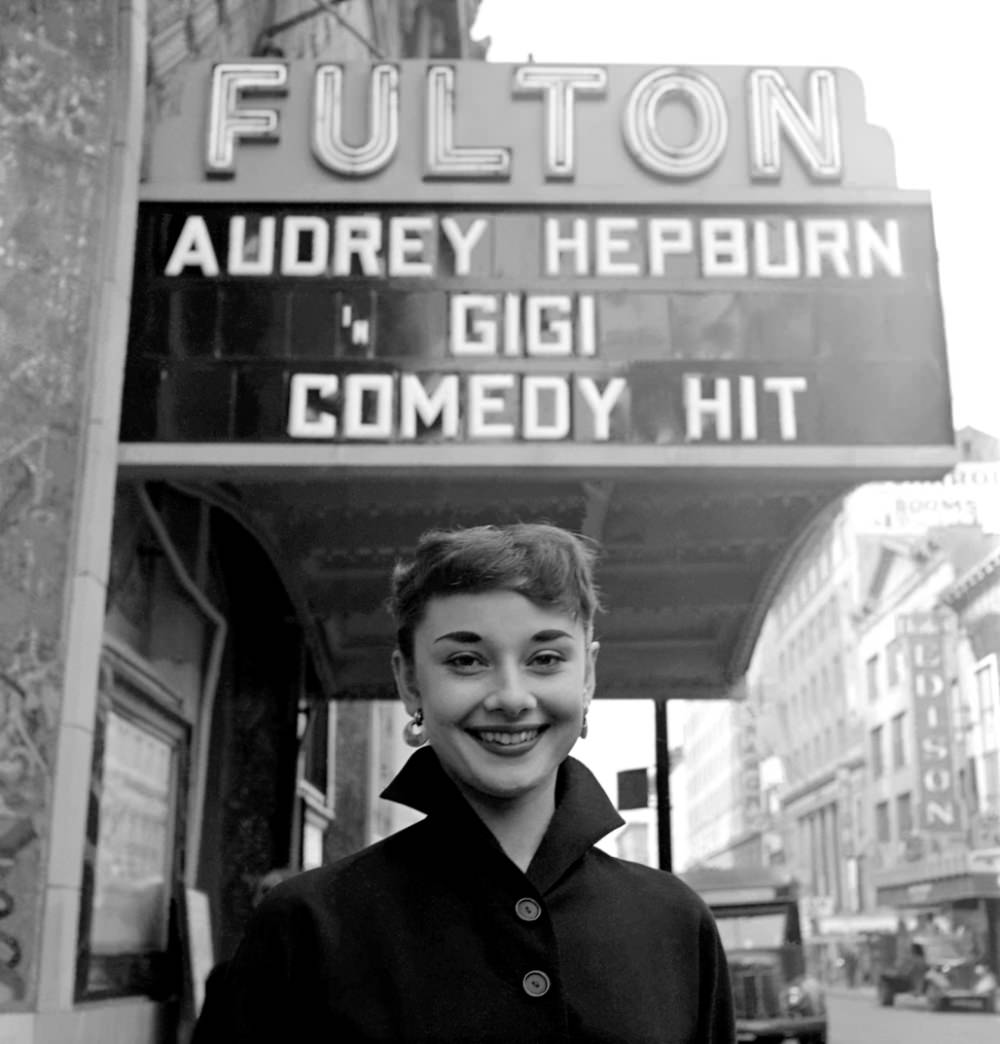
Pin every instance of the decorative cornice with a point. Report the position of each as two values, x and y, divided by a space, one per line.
967 584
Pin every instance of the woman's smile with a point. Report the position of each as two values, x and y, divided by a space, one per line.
507 740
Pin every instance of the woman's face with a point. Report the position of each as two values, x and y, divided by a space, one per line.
503 685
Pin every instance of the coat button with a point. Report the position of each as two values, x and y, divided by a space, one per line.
528 909
536 984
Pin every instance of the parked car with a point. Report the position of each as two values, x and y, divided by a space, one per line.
936 969
757 913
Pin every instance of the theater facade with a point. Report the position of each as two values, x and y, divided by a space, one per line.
681 311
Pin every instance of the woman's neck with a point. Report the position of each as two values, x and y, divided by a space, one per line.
519 824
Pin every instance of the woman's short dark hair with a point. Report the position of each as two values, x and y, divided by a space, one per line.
549 566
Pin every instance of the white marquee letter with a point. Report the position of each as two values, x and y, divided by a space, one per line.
292 230
718 406
763 263
416 403
403 245
539 321
227 122
193 249
815 135
328 145
463 243
575 243
532 424
482 401
668 236
711 122
785 388
263 243
559 84
357 235
724 247
303 422
469 335
871 245
357 386
445 159
601 403
830 238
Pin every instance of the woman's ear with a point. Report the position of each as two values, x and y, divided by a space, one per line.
590 678
406 682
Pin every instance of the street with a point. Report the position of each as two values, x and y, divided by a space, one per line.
855 1018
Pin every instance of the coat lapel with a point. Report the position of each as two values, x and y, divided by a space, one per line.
582 817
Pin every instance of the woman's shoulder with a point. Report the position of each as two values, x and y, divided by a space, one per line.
651 883
367 869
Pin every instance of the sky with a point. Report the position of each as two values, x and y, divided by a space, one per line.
929 80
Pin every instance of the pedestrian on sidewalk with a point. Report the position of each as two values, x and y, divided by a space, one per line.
495 919
850 966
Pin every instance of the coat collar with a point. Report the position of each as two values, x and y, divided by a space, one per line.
583 814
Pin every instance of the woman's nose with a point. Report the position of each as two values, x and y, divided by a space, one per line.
511 693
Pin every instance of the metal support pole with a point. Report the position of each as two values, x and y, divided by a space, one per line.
663 786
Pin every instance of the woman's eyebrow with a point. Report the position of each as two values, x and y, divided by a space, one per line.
463 637
550 636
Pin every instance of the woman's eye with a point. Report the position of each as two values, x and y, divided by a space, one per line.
547 660
465 661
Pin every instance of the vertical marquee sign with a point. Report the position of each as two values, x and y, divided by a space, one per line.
937 793
466 254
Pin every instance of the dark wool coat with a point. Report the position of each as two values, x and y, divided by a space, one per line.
434 935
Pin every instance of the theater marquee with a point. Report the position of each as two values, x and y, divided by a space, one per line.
473 254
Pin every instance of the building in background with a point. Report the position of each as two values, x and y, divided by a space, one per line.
874 688
710 781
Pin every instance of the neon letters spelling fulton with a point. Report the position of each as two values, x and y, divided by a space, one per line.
775 116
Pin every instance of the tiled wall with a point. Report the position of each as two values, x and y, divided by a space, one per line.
55 94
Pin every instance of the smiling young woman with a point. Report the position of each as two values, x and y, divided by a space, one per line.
494 919
502 686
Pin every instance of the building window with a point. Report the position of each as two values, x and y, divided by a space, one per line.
894 662
904 815
988 695
315 786
313 833
316 749
871 677
134 861
883 831
878 761
899 740
991 781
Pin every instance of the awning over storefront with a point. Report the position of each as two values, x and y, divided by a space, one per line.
941 879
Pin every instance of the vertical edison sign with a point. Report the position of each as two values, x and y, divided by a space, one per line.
938 797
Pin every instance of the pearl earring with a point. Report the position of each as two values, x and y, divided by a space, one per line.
414 734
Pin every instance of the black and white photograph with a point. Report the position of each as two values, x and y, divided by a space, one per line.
499 522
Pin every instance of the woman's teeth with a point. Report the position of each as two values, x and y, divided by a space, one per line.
507 739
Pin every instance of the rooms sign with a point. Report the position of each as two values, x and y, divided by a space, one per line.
639 256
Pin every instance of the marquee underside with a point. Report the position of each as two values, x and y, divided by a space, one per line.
687 569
